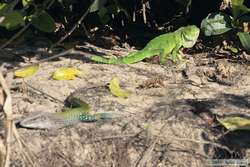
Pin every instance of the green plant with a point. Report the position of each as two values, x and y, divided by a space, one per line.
12 16
219 23
106 8
18 13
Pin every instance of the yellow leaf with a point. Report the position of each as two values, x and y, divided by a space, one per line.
65 73
114 87
26 72
235 123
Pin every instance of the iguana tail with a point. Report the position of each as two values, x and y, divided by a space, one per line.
106 60
131 58
128 59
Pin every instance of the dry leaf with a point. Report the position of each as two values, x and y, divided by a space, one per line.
235 123
66 73
114 87
26 72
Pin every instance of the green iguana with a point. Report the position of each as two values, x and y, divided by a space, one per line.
167 46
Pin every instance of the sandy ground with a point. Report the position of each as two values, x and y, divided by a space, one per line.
168 120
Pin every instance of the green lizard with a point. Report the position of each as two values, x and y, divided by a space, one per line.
167 46
70 116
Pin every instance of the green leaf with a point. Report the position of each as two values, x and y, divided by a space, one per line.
26 2
245 40
239 11
237 2
235 123
12 20
115 89
238 8
216 23
97 5
4 7
184 4
233 50
43 21
103 14
105 11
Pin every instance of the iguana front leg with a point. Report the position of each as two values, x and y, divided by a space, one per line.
174 55
177 56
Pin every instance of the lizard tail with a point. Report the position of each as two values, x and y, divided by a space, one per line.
95 117
104 115
105 60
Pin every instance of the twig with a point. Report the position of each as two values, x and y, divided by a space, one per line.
43 93
70 51
114 137
9 132
85 30
63 157
148 152
7 108
73 28
50 4
26 155
2 153
15 36
198 141
121 51
144 12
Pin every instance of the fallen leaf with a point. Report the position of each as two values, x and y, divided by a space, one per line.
114 87
235 123
26 72
66 73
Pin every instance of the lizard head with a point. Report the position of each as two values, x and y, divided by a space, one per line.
38 121
189 35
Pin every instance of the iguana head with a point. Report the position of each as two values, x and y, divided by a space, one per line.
189 35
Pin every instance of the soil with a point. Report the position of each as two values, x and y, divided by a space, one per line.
168 120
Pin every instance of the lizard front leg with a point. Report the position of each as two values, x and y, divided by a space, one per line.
176 54
172 54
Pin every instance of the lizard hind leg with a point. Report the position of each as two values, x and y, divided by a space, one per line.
139 56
